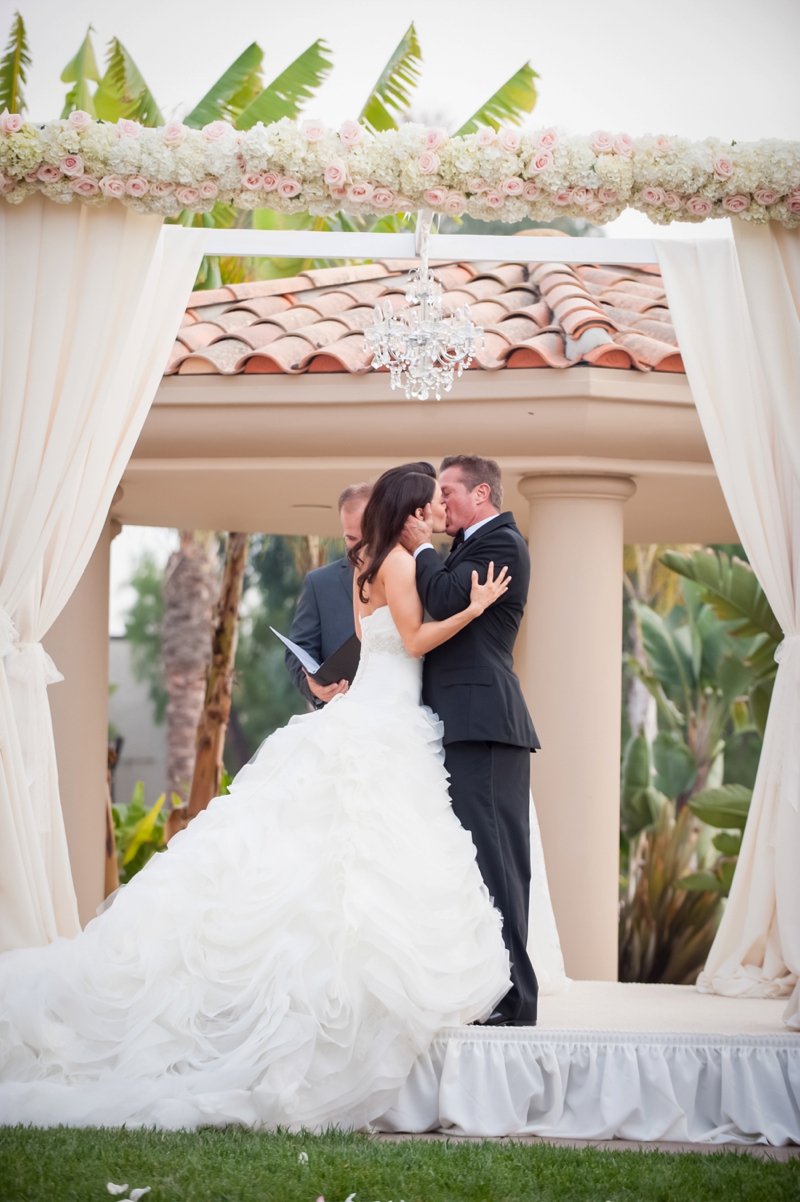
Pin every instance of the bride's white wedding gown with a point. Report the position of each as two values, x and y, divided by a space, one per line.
290 955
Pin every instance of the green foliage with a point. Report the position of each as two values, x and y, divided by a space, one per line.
122 92
675 766
143 632
13 68
235 89
138 832
728 807
509 105
80 71
392 92
641 800
285 95
220 1165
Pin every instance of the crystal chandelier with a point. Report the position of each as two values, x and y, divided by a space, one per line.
424 344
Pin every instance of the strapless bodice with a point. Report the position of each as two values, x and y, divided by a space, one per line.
386 669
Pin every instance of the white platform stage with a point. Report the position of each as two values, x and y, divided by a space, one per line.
609 1061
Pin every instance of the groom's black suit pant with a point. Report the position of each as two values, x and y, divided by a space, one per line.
490 789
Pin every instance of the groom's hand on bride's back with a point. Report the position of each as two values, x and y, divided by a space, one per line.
417 531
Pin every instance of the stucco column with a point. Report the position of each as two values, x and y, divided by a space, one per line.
573 681
78 643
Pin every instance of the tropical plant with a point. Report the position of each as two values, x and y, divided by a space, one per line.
508 104
138 832
665 931
396 82
727 808
13 67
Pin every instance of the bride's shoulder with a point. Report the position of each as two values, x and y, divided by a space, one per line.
398 563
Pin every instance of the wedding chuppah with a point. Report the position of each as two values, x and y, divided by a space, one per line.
540 1081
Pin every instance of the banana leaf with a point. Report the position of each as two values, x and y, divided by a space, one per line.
144 830
731 589
122 92
641 801
79 71
509 105
13 65
726 807
392 92
285 95
235 89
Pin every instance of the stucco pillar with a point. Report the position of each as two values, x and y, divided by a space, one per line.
78 643
573 681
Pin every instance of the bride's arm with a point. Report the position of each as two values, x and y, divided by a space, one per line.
398 575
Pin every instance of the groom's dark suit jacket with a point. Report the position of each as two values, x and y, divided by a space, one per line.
323 619
469 681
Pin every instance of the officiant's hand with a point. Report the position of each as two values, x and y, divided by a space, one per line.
326 692
417 530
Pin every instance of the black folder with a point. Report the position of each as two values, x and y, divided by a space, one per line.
342 665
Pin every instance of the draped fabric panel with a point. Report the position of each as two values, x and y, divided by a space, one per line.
90 302
736 310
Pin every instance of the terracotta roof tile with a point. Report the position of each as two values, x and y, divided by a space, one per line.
545 315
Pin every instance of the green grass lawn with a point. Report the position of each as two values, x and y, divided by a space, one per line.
63 1165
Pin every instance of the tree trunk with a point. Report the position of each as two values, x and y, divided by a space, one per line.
308 552
210 743
191 588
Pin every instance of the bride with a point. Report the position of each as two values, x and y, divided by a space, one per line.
299 945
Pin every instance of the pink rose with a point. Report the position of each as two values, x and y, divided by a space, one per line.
723 167
494 199
428 162
765 196
270 181
547 139
288 187
607 196
509 140
623 144
187 196
360 192
663 143
512 186
793 204
215 130
435 196
48 174
653 196
351 133
85 186
593 207
312 131
673 201
72 165
335 173
540 162
601 141
403 204
10 123
338 193
737 203
252 181
454 203
161 187
137 185
8 184
383 198
581 196
32 177
485 136
531 191
173 134
698 206
435 138
562 198
113 186
79 120
209 189
477 184
128 129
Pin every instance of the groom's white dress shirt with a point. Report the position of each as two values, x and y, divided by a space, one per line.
469 530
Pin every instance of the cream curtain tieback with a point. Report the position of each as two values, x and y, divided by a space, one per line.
9 639
26 660
785 645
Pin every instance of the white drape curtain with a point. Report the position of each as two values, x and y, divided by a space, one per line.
736 310
90 301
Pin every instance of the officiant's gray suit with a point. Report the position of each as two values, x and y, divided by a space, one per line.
323 619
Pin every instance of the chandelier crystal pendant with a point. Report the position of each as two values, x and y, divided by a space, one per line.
423 345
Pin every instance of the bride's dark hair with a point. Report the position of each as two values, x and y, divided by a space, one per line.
395 496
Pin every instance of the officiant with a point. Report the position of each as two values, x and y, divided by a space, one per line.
324 617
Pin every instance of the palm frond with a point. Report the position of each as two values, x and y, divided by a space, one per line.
731 589
235 89
13 67
392 92
509 105
79 71
285 95
122 91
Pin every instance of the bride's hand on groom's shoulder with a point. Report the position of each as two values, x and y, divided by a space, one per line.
483 595
417 530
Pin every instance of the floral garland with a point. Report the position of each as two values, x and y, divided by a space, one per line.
508 175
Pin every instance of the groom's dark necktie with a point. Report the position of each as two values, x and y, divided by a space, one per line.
457 541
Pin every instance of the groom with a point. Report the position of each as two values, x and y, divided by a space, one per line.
469 682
